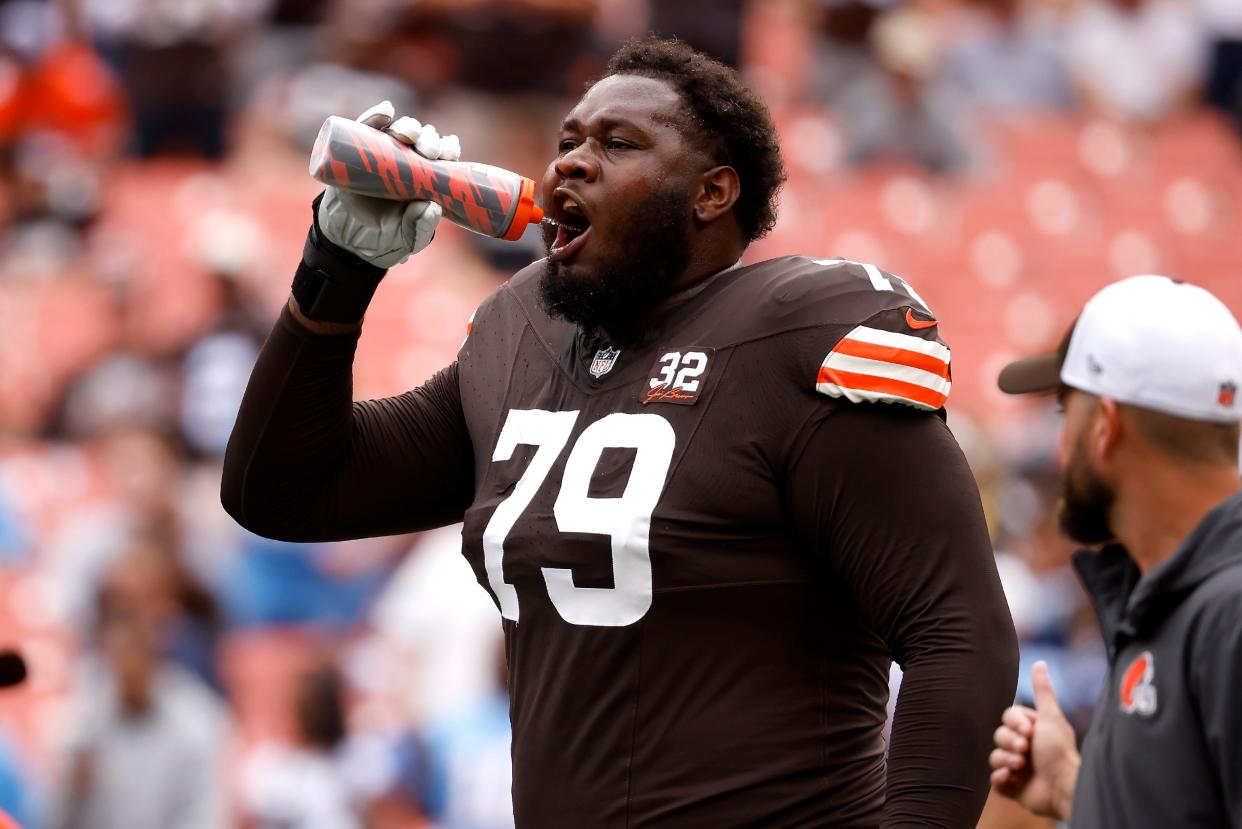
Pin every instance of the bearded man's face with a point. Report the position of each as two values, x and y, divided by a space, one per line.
621 194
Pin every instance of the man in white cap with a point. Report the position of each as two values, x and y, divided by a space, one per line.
1150 378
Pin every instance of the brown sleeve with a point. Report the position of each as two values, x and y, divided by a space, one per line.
885 495
306 463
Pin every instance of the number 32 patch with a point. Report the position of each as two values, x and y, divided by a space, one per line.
678 376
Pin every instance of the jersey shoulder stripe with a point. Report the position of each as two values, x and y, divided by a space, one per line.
871 365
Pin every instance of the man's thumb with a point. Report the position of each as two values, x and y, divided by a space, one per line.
1041 683
419 223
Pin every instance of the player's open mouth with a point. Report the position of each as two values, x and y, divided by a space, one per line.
571 226
569 240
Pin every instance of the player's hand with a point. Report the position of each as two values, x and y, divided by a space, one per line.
1036 760
379 231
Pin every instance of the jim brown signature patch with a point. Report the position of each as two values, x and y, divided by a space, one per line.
678 376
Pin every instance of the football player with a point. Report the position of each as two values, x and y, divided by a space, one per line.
712 501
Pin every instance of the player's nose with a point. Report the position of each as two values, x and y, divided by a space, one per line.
577 164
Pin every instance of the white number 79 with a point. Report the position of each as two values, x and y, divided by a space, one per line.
625 520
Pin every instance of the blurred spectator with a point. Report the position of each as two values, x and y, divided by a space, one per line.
844 57
330 780
1137 60
125 388
462 765
302 100
54 82
169 114
16 798
128 385
213 379
172 57
1008 59
56 190
216 366
290 37
503 46
276 583
1054 621
149 579
70 91
140 471
303 13
900 112
442 628
15 541
711 26
148 739
1223 21
62 118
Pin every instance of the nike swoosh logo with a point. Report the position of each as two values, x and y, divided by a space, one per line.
918 324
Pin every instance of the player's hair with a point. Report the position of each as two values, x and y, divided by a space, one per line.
732 123
1191 441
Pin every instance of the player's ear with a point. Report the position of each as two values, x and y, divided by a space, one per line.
718 190
1107 426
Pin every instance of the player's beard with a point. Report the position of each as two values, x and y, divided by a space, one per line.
651 248
1086 501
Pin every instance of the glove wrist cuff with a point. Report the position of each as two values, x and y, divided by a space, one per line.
331 284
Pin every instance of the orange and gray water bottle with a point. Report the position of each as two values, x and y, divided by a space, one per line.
486 199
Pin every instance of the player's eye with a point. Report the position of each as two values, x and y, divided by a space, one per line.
618 144
566 145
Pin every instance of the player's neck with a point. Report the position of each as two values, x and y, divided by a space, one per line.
692 283
1155 516
683 289
712 250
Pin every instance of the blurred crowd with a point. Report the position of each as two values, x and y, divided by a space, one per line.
153 198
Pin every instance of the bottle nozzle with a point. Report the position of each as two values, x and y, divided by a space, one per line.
527 212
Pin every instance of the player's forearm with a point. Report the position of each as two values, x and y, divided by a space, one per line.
318 326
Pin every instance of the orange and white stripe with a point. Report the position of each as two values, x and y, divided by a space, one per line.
870 365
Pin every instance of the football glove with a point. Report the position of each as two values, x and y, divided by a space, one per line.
382 232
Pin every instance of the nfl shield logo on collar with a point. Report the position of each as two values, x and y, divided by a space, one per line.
604 360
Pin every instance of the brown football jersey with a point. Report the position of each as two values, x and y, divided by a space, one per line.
706 550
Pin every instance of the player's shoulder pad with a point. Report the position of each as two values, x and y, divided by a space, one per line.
869 337
792 292
895 356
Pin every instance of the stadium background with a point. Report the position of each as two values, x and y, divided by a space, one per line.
1008 157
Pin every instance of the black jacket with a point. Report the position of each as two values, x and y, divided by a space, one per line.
1165 745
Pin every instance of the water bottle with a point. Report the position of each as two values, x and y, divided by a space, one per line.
479 197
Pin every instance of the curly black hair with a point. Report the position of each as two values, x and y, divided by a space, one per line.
735 126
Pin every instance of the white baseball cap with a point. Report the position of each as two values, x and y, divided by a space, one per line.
1149 341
